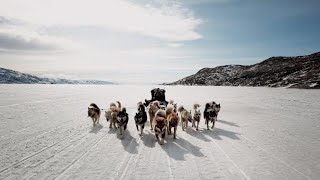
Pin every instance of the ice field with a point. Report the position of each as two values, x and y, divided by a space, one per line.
261 133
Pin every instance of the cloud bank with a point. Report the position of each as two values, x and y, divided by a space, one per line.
167 22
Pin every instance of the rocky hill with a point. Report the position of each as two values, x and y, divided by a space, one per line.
8 76
294 72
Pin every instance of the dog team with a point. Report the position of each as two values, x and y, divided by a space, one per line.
163 117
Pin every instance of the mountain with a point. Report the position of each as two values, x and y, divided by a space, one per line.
294 72
8 76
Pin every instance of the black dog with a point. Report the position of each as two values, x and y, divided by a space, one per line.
210 113
157 94
141 117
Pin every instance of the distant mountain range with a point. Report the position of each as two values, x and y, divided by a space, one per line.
293 72
8 76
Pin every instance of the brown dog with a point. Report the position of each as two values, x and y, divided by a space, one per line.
160 125
112 112
172 119
153 108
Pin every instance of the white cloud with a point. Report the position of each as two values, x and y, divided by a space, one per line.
171 23
24 39
17 35
175 45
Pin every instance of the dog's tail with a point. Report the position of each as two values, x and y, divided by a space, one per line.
119 104
169 109
124 110
196 106
95 107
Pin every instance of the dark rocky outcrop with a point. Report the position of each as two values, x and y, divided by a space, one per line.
294 72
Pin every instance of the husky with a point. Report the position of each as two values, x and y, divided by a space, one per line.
160 125
140 117
196 116
210 113
174 104
122 121
111 113
172 119
153 108
185 117
216 107
94 112
171 107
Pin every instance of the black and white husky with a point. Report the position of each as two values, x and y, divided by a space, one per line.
211 113
122 121
140 118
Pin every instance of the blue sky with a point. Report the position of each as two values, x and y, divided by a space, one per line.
144 41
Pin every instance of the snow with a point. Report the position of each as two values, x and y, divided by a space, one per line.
313 85
262 133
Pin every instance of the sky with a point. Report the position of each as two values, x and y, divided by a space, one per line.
151 41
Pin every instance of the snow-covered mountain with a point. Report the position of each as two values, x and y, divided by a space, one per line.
8 76
295 72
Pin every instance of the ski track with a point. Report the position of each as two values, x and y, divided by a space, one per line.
25 155
52 138
28 166
277 158
78 159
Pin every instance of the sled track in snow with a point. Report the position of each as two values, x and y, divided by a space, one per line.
75 161
128 159
228 157
276 158
36 153
47 131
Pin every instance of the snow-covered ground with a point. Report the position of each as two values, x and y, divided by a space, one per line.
262 133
